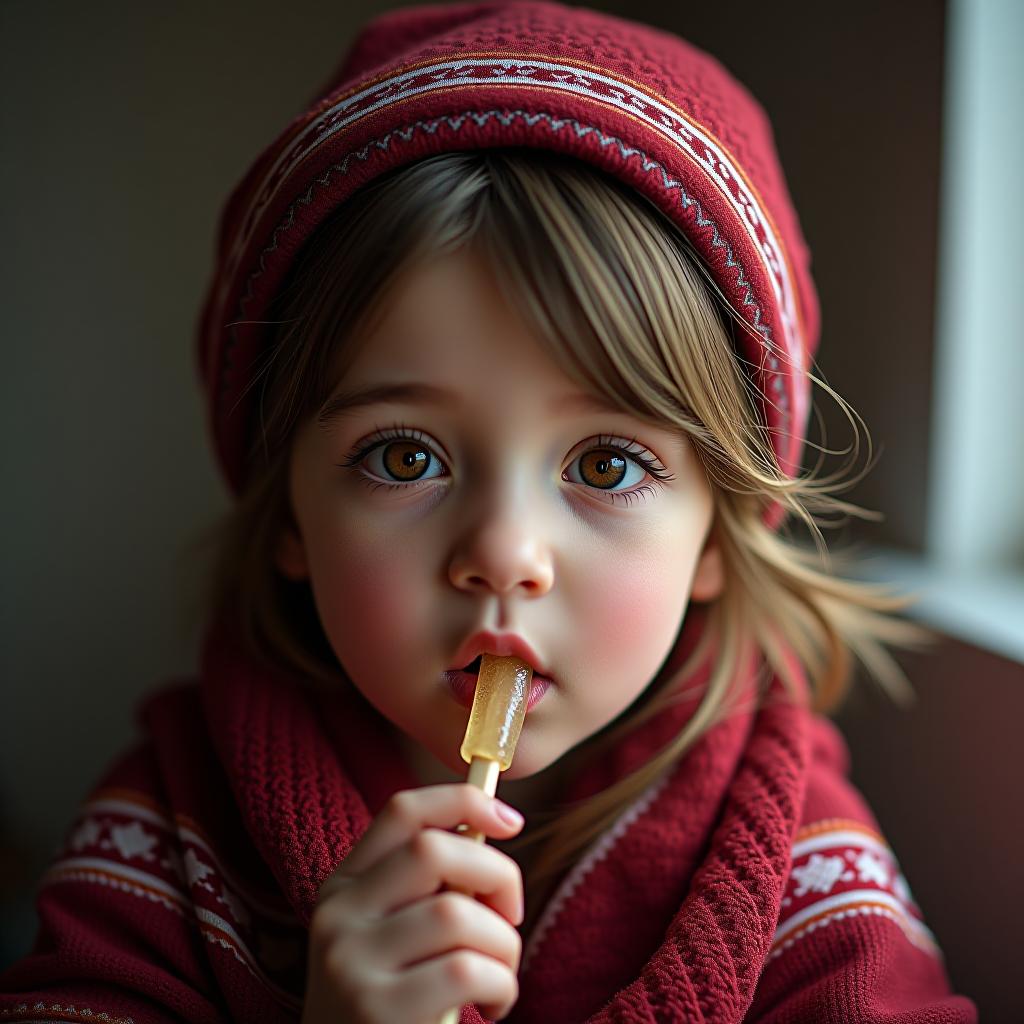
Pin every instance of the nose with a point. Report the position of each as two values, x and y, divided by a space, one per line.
504 549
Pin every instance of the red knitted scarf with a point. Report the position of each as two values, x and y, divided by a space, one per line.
187 881
669 916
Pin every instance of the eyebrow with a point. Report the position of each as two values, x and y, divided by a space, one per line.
415 393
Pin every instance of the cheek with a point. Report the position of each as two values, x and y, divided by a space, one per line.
638 605
629 616
366 597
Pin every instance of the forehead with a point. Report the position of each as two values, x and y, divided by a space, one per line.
447 339
447 319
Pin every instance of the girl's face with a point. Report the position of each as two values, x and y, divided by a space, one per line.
491 494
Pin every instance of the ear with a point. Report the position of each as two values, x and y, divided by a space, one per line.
290 556
709 576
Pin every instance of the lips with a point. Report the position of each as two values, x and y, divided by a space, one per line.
502 645
473 669
463 687
462 680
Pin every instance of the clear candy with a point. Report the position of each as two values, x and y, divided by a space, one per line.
499 707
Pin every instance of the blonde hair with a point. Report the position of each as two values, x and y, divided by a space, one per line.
627 309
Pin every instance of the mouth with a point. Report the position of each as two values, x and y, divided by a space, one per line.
462 682
473 668
501 645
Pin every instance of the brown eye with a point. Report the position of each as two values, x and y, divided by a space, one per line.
405 460
602 468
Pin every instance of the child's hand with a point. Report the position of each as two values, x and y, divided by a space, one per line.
386 945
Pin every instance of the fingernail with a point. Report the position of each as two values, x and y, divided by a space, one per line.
509 815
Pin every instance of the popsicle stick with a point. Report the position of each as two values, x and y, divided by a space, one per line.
483 773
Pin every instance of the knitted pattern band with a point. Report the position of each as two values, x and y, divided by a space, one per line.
638 103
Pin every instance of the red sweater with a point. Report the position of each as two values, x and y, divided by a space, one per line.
750 884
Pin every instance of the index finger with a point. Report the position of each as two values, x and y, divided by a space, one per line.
410 811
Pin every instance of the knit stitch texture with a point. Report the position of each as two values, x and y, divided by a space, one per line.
749 884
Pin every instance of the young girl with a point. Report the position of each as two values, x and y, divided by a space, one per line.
507 351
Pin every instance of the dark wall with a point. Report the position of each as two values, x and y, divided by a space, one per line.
944 780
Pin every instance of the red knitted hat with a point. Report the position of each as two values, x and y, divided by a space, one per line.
638 103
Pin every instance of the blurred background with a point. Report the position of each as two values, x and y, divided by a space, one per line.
899 126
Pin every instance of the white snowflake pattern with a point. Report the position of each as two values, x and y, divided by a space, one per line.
133 841
504 68
819 874
87 834
196 870
871 868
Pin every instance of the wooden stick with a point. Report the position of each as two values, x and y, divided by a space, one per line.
483 774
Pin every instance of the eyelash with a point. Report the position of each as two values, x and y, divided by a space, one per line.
400 432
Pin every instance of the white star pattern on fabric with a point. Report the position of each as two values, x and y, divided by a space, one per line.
871 869
841 871
196 869
87 834
819 874
133 841
126 845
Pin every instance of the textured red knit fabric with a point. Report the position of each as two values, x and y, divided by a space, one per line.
751 884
